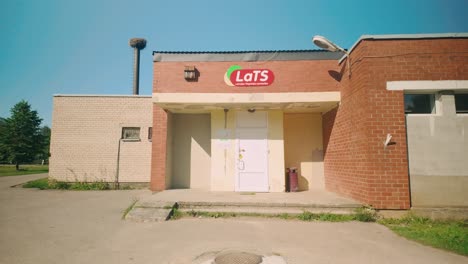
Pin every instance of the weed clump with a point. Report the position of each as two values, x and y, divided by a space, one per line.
365 214
50 184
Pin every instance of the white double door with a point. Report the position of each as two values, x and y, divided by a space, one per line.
252 152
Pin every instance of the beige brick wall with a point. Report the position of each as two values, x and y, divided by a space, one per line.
85 138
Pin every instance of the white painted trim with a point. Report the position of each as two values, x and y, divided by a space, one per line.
427 85
236 98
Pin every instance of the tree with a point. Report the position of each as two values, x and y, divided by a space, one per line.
45 148
22 138
3 151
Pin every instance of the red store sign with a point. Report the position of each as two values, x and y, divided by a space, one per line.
235 76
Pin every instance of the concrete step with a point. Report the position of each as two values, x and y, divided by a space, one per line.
140 214
182 204
268 211
156 211
265 208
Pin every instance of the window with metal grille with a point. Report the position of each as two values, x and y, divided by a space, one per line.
131 133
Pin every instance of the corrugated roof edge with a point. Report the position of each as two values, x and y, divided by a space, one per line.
263 55
102 95
237 51
405 36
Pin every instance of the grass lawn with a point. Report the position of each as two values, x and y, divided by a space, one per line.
9 170
449 235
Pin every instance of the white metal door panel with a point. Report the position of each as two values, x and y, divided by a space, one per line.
252 162
256 119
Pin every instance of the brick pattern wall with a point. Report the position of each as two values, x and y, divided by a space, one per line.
290 76
356 163
159 153
85 138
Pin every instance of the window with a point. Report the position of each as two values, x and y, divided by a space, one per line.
150 133
461 103
131 133
419 103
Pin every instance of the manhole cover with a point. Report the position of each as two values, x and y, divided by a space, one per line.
238 258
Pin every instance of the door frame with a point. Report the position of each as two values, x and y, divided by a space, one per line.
236 163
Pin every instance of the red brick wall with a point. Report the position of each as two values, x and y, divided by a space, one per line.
290 76
158 155
356 164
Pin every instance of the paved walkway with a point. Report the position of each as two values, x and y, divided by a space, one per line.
9 181
85 227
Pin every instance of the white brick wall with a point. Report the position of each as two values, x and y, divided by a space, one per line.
85 138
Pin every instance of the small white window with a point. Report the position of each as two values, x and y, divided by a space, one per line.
131 133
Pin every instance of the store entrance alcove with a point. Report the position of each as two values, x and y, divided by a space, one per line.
189 151
303 148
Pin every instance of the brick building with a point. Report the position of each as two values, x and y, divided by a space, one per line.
386 125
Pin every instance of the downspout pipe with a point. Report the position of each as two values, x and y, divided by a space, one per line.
117 184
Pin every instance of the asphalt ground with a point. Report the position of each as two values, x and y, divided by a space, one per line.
53 226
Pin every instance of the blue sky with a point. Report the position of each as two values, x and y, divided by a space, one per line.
81 47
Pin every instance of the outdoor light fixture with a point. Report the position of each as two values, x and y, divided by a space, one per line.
324 43
190 73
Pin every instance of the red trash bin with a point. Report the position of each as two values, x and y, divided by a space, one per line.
293 180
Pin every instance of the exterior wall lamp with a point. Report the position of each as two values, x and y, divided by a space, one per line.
190 73
324 43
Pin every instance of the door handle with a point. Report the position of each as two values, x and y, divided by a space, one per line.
241 165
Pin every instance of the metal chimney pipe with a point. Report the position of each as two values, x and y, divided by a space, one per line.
136 71
137 44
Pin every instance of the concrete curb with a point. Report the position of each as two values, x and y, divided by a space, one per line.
162 210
